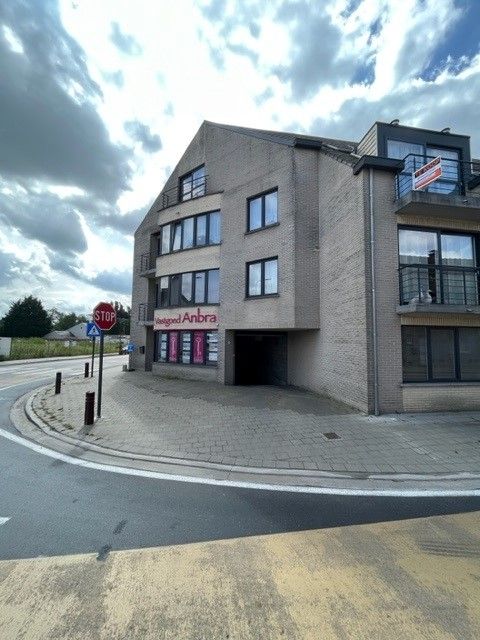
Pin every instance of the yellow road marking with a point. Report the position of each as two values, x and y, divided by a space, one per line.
401 580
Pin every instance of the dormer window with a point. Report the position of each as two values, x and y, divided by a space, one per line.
193 184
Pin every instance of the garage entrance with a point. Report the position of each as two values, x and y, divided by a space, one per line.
261 358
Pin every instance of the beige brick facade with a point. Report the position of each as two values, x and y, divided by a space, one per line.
326 211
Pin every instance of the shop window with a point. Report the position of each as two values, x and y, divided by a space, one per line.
187 347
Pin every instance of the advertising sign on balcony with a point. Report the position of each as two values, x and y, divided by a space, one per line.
427 174
185 319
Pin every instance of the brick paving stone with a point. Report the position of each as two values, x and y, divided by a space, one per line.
260 426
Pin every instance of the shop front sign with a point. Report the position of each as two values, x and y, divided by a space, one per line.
185 319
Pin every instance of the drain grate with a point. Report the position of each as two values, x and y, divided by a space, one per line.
331 435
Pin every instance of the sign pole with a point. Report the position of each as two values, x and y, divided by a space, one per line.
100 376
93 354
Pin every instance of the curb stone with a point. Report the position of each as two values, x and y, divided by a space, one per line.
363 477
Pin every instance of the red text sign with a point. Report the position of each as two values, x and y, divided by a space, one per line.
199 318
104 316
427 174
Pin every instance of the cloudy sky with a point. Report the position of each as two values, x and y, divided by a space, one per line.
99 99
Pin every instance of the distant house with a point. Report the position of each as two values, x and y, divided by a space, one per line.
77 332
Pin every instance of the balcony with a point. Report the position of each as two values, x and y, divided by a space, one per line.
455 194
145 313
147 265
191 189
439 289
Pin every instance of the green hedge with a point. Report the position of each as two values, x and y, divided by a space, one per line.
25 348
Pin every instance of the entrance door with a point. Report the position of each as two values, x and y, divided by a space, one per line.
261 358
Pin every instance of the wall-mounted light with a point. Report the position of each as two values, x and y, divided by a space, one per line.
395 122
446 130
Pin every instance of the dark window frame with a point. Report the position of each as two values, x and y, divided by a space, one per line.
193 303
438 231
181 221
185 177
456 351
181 332
262 279
262 196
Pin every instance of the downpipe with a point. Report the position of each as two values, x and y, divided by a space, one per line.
374 294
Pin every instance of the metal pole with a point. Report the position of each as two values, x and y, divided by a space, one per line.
58 382
86 370
100 375
89 415
93 355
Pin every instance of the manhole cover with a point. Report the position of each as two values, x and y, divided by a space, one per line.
331 435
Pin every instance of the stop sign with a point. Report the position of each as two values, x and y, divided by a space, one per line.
104 316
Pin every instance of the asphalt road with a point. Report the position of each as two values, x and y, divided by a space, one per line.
54 508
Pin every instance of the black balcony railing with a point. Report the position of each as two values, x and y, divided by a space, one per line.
453 181
145 312
147 263
190 189
435 284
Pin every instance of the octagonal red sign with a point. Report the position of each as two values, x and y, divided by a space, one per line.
104 316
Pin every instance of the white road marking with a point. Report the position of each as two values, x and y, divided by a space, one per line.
397 493
3 520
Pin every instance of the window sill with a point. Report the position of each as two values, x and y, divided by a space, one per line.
426 385
201 246
267 226
267 295
188 306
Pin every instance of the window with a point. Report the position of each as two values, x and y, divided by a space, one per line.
196 231
187 347
201 231
175 284
162 293
192 185
166 230
200 287
177 236
437 267
213 286
440 354
187 240
262 210
187 282
186 289
262 277
212 347
214 230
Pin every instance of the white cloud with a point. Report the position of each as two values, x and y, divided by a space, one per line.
319 67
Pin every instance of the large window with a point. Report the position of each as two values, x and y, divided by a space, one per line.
196 231
262 210
438 267
186 289
262 277
440 354
416 155
187 347
192 185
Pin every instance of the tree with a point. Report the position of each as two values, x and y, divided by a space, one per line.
122 326
26 318
63 321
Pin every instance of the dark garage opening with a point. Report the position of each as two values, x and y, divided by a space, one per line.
261 358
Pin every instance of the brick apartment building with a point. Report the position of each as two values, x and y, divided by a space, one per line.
275 258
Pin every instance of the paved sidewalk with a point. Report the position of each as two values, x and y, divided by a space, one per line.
260 427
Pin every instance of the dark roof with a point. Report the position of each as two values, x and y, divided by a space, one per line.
342 149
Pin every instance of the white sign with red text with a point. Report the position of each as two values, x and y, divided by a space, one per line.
186 318
427 174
